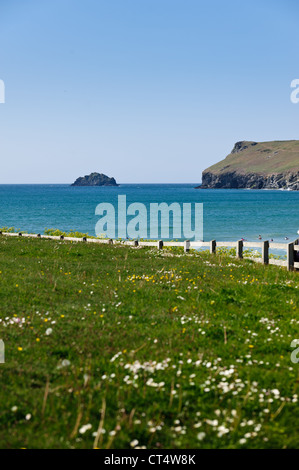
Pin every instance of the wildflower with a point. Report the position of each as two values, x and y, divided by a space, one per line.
222 430
64 363
85 428
213 423
134 443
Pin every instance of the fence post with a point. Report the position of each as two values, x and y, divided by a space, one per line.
160 245
213 247
265 252
239 252
187 246
2 352
296 253
290 256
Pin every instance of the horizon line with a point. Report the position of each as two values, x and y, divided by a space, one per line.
87 186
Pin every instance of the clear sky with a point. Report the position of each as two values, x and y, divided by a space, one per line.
142 90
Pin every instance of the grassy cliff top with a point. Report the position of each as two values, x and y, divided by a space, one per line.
260 157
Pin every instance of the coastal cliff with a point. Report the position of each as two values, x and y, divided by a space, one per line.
95 179
254 165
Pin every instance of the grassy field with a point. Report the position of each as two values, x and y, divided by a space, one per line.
118 347
264 157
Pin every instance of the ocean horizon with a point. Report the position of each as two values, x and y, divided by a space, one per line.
229 214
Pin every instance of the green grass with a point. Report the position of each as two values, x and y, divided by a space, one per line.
170 349
263 158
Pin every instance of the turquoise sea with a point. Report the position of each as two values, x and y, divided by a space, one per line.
228 214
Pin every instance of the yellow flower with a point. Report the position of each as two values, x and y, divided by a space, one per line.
251 346
37 340
20 349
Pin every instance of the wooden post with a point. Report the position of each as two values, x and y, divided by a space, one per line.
265 252
239 252
296 253
160 245
187 246
213 247
290 256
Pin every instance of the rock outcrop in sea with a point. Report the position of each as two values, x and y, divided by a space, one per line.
95 179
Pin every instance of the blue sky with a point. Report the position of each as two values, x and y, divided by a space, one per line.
147 91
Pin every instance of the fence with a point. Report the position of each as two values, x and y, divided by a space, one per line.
292 249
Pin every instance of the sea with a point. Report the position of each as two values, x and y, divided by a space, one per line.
228 214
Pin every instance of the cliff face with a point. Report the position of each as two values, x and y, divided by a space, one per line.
95 179
236 180
253 165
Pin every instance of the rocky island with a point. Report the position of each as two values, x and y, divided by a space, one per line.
256 165
95 179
